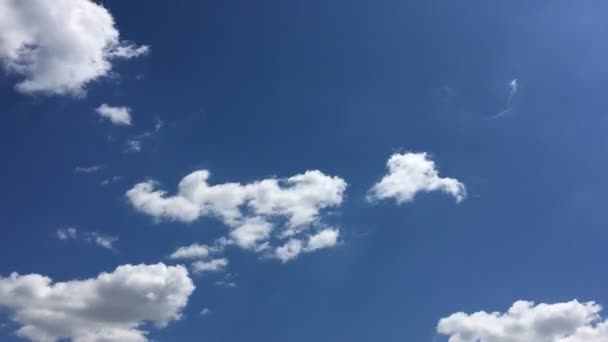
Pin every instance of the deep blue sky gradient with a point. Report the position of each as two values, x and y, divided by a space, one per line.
251 89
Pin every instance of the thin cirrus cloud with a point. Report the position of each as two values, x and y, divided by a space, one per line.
411 173
120 116
135 144
258 214
69 233
513 89
58 47
526 321
111 307
88 169
95 238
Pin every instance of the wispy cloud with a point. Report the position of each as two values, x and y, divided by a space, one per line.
88 169
110 180
95 238
206 312
513 88
103 241
135 143
69 233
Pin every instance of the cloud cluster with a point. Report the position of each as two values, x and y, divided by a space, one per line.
255 212
112 307
202 253
59 46
100 240
524 322
120 116
326 238
411 173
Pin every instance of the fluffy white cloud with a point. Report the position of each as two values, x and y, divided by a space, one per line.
112 307
323 239
290 250
524 322
326 238
214 265
194 251
411 173
59 46
249 234
120 116
254 211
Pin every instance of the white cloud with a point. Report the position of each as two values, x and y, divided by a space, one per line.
70 233
524 322
326 238
88 169
323 239
254 211
298 199
194 251
120 116
514 85
224 283
249 234
102 241
59 46
112 307
135 144
290 250
110 180
411 173
214 265
205 312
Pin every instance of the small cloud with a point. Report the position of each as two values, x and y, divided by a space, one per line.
513 88
194 251
102 241
135 144
110 180
514 84
289 250
88 169
120 116
411 173
324 239
129 51
205 312
205 266
224 283
67 233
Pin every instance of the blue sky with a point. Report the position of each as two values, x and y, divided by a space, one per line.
267 90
